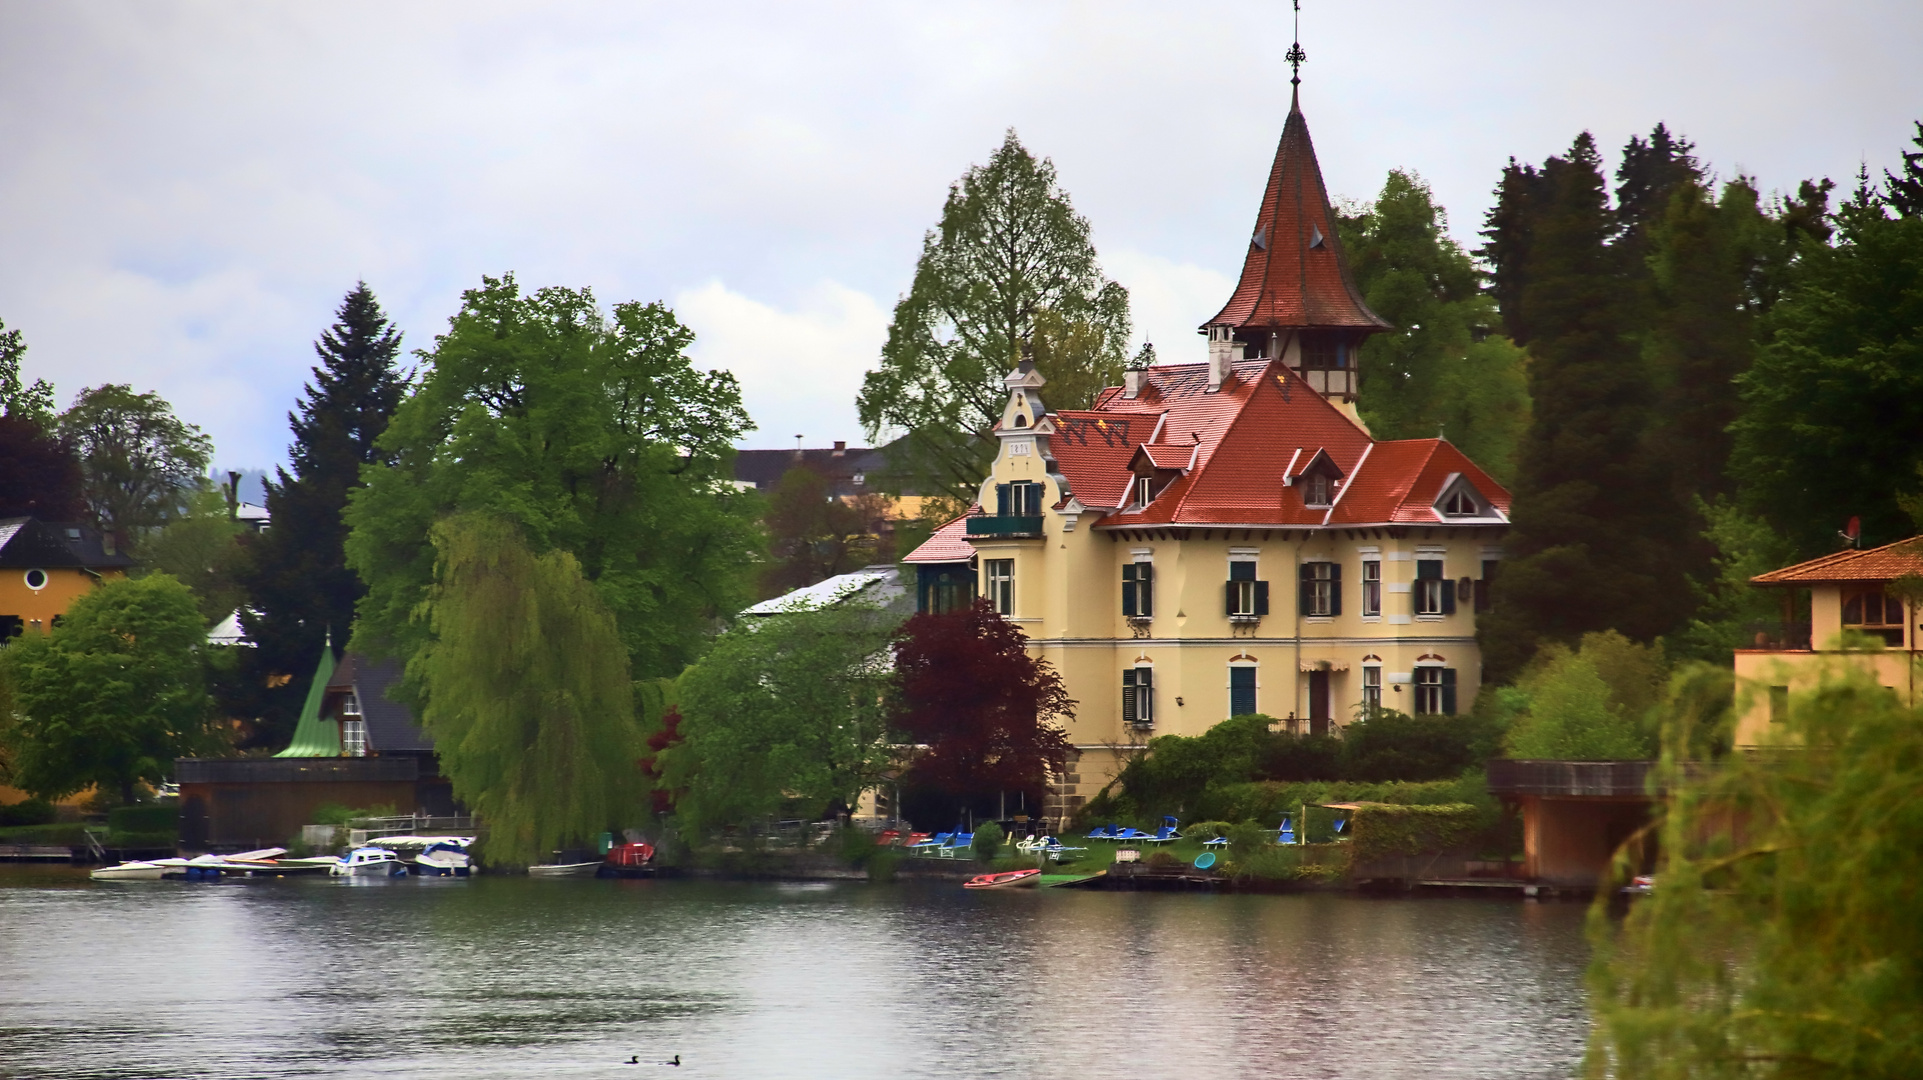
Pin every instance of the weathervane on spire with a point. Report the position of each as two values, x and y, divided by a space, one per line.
1295 54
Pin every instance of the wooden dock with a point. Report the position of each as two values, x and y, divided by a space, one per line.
41 853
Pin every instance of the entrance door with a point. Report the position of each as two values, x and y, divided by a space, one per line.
1318 703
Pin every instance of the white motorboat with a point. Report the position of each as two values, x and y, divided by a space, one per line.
369 862
152 870
403 845
448 858
553 870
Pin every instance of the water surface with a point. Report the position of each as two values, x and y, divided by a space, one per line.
511 977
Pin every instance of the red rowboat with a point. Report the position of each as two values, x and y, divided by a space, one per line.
1012 879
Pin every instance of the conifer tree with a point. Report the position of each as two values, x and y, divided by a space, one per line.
1591 547
299 588
1905 192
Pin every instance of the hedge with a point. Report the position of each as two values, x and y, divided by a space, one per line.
148 818
1382 830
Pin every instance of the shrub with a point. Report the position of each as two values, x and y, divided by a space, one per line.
1410 830
1246 839
1162 860
988 840
1207 830
28 812
148 818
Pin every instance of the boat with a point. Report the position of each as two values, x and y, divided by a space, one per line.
1010 879
369 862
138 870
573 869
446 858
629 860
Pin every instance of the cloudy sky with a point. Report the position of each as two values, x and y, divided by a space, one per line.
187 189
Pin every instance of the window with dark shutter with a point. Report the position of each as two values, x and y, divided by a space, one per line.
1448 691
1431 591
1320 589
1138 590
1241 690
1246 597
1128 696
1002 507
1128 591
1138 696
1261 598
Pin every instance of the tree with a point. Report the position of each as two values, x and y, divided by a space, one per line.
594 435
813 535
788 707
201 549
1594 521
299 588
38 476
1594 703
1788 946
112 694
1442 370
985 709
1836 392
1905 193
529 699
1010 265
137 459
17 398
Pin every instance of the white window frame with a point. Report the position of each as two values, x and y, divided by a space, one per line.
1318 490
1371 588
1428 692
1372 686
998 580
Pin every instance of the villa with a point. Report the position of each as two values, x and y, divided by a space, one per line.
1225 537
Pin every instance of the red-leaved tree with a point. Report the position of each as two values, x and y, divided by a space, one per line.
985 709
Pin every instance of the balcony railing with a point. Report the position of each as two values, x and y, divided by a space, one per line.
1006 528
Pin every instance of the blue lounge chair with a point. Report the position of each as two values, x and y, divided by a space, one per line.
955 843
1286 834
1102 832
1163 835
932 843
1340 824
1131 833
1220 841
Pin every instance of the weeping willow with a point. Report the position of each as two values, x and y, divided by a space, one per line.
528 692
1784 937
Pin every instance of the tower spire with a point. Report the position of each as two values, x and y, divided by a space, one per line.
1295 55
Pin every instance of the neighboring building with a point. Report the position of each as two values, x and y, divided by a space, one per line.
1848 590
354 746
46 566
1225 537
876 586
851 472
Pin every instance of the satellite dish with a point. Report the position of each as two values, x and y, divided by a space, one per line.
1205 860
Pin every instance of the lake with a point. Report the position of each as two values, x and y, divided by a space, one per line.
512 977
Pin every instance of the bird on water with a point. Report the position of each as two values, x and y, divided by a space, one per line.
636 1060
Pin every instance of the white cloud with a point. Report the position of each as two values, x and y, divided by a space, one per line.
1169 301
801 368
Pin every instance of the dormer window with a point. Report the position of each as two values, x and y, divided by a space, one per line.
1143 494
1460 499
1459 503
1316 490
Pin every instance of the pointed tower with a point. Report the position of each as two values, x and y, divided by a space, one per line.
1296 301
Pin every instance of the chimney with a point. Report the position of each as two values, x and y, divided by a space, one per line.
841 447
1132 382
1223 351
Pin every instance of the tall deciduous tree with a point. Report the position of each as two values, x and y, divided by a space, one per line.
138 461
1443 369
987 711
814 535
592 433
39 477
299 588
112 694
788 707
1009 266
18 398
529 697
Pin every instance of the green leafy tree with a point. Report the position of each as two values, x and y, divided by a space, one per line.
529 698
1788 946
813 535
201 549
1731 612
789 707
1010 266
18 398
138 461
1594 703
299 588
111 695
1836 393
1443 370
1595 522
595 435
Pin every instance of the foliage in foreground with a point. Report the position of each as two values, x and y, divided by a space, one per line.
791 706
1597 702
529 698
1782 937
112 695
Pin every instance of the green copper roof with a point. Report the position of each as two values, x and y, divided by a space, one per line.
313 736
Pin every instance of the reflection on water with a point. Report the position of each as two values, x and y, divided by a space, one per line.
513 977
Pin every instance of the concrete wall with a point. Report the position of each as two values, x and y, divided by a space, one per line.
1569 842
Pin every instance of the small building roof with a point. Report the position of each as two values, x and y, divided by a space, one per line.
879 586
391 728
1886 563
29 542
948 544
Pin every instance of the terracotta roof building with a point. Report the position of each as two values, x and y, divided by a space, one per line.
1225 536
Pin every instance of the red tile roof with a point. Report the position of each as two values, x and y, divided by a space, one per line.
948 544
1886 563
1294 273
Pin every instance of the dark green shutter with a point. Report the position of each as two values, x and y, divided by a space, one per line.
1145 695
1229 592
1261 598
1128 696
1001 501
1305 590
1448 691
1335 588
1145 589
1448 597
1128 590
